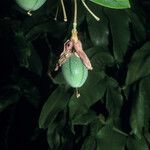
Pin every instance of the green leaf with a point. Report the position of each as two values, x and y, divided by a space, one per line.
140 115
30 22
89 143
59 79
92 91
22 50
114 98
100 58
116 4
136 143
138 27
139 65
119 25
52 27
26 54
55 103
98 30
145 91
85 118
137 114
147 136
59 136
53 137
109 139
96 125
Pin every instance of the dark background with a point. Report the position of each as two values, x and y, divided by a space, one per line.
24 81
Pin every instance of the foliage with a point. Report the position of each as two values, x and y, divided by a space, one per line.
117 4
113 111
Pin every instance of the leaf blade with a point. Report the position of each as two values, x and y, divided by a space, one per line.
55 103
115 4
139 65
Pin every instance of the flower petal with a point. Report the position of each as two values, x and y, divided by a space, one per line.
82 55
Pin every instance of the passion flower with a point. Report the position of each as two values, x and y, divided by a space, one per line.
74 71
30 5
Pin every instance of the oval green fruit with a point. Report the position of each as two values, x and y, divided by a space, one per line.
74 71
30 4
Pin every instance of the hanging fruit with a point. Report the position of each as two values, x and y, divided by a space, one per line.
30 5
74 61
74 72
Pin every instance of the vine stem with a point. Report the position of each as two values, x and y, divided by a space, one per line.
56 15
119 131
64 10
88 9
74 36
75 16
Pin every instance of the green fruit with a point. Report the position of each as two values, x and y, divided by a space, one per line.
30 4
74 71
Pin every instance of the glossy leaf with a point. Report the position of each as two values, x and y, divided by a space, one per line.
107 138
98 30
48 26
116 4
53 137
113 111
114 99
139 65
145 90
55 103
100 58
85 119
137 114
91 92
138 26
140 115
119 25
